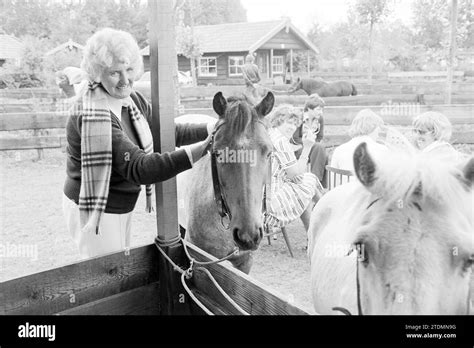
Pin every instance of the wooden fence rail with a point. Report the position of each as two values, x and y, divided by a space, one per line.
391 114
334 116
379 86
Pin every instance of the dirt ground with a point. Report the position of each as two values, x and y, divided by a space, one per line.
31 216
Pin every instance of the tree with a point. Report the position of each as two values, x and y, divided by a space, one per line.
208 12
21 17
371 12
186 41
431 28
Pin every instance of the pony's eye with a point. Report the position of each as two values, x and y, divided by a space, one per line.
468 264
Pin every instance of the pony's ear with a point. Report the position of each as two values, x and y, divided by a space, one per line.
266 105
219 104
364 165
468 172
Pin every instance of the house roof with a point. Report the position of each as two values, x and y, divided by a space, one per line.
10 47
240 37
67 45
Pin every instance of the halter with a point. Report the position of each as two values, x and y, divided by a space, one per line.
219 194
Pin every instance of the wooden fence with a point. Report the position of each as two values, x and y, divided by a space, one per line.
379 86
393 114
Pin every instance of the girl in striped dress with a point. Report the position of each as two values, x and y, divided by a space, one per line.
292 186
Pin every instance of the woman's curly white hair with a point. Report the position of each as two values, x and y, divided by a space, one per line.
108 46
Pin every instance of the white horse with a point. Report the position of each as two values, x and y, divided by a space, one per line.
400 240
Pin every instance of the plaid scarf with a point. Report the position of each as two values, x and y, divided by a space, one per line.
96 154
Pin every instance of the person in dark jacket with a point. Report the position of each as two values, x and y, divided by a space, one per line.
110 147
313 119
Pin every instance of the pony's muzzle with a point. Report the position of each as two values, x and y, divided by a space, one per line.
247 238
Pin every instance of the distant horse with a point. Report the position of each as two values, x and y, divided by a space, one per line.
241 146
398 241
324 89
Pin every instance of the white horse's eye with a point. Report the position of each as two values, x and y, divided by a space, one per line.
469 263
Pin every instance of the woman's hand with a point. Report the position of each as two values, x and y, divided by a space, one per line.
210 126
309 138
198 150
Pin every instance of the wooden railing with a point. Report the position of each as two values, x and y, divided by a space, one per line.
333 116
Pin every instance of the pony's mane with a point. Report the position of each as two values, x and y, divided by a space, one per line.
432 175
240 115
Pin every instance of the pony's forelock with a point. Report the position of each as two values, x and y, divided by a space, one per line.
239 115
400 173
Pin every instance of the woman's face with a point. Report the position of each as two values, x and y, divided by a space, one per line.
288 127
423 138
118 80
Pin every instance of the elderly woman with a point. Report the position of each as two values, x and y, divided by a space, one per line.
293 188
110 147
365 127
313 122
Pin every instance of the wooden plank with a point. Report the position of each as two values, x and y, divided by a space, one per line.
204 99
392 114
210 303
34 120
409 74
41 142
61 142
25 93
74 285
253 296
464 137
143 300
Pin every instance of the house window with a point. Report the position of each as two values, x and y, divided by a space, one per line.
208 66
277 65
235 65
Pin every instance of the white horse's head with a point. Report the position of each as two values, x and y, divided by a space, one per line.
416 235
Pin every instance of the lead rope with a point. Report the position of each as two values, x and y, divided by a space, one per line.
188 273
359 305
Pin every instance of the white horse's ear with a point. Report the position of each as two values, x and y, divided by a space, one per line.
219 104
364 166
266 105
468 172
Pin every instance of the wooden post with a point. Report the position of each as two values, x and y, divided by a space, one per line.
291 65
309 60
270 70
163 67
452 51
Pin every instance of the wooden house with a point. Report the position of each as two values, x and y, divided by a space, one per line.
224 47
11 49
69 46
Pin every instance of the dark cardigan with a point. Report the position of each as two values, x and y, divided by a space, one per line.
131 166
